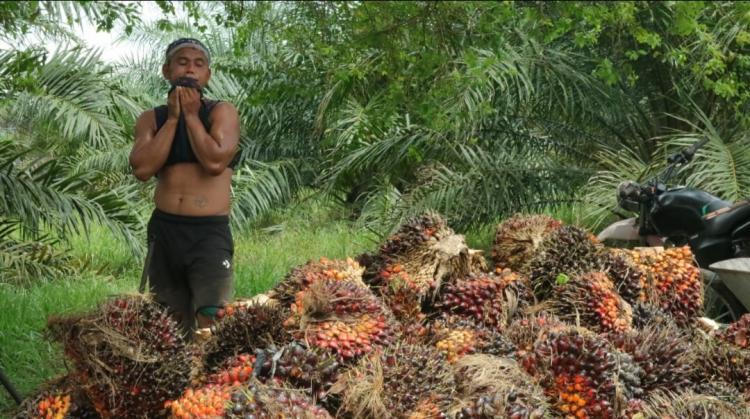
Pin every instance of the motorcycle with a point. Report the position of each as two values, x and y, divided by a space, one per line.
717 231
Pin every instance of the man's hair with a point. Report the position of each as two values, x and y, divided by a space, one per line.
186 43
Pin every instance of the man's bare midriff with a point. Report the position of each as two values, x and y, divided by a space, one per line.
186 189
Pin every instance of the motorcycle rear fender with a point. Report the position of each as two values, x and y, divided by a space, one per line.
626 230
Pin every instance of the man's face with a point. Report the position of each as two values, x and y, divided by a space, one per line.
188 62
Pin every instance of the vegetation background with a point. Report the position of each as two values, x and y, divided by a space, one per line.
355 116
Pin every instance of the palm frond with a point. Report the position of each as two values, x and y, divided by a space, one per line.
71 97
22 261
722 166
258 187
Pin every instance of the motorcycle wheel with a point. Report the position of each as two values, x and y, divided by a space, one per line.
719 304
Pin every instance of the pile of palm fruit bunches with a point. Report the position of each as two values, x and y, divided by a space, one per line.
560 326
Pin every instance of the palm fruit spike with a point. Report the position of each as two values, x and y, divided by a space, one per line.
591 299
628 278
278 401
208 401
689 405
129 353
303 276
662 353
518 238
491 386
394 382
579 372
737 333
242 330
566 250
311 370
675 282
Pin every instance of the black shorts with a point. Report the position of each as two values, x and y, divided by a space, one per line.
191 263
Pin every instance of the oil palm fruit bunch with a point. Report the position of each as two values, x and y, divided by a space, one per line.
492 299
489 387
429 408
303 276
518 238
591 299
408 250
234 371
646 314
402 293
578 370
335 298
720 362
675 282
258 400
524 331
737 333
244 329
209 401
479 298
341 317
61 398
53 407
566 250
628 278
661 353
456 337
689 405
130 355
415 233
350 339
516 291
396 382
311 370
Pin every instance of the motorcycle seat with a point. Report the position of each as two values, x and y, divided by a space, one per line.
724 220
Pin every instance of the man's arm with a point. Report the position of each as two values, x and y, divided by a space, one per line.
151 148
216 149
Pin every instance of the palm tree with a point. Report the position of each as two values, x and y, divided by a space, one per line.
52 110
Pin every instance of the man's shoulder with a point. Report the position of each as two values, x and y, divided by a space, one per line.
222 104
223 108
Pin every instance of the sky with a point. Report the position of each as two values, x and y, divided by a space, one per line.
113 51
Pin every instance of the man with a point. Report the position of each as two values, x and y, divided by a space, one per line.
190 145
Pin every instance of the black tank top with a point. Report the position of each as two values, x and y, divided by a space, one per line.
182 151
